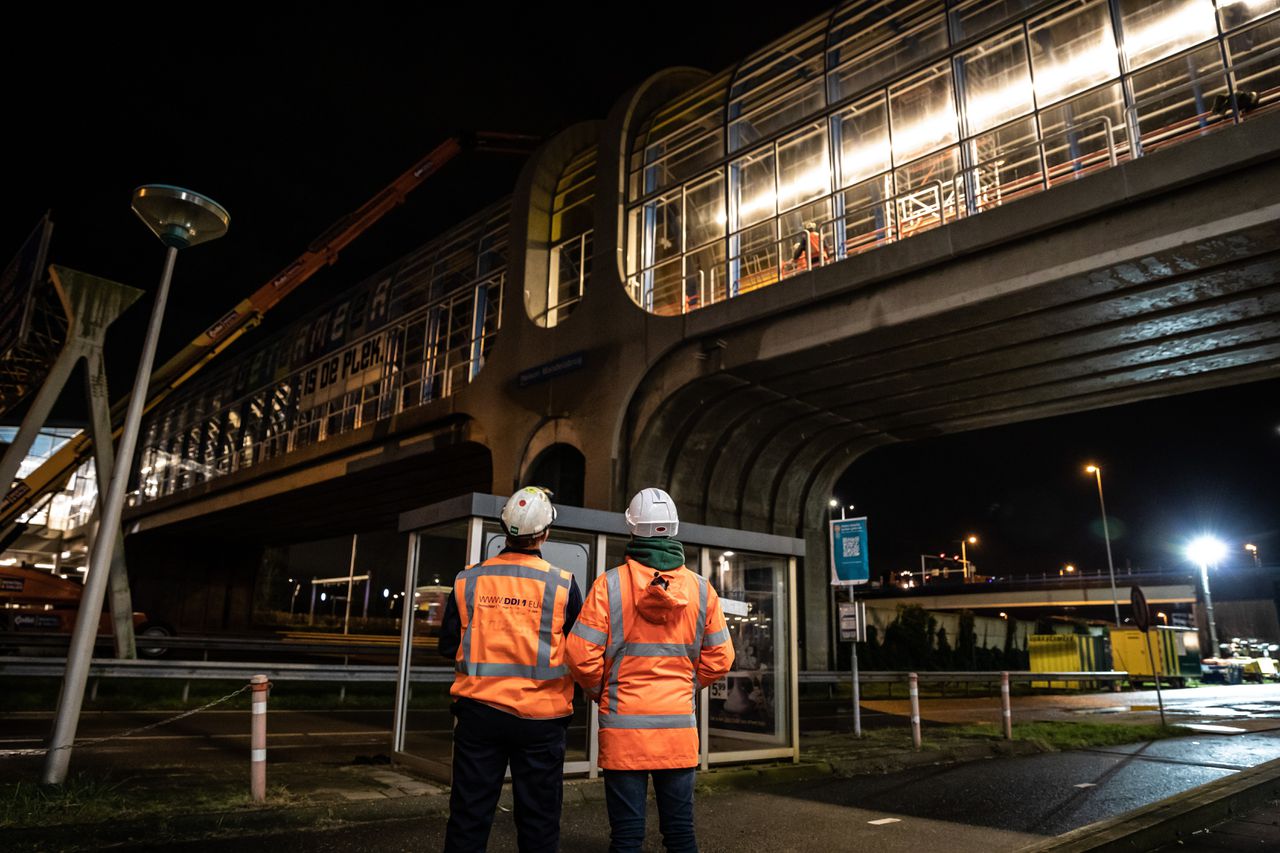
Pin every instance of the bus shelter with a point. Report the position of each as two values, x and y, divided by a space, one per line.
750 715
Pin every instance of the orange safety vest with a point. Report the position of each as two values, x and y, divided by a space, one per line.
643 652
511 608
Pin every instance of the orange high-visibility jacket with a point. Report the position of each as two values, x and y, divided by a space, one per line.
643 652
512 609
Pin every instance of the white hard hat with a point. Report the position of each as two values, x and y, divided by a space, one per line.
652 513
528 512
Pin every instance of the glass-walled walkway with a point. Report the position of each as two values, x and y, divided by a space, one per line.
889 119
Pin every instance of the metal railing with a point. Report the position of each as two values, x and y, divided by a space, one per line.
1045 174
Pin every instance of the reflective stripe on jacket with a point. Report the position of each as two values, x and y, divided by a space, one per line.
643 653
512 610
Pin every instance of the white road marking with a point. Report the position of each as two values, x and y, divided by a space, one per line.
884 820
1086 785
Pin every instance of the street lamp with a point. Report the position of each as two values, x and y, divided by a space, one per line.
1253 552
1106 535
964 556
1205 551
180 218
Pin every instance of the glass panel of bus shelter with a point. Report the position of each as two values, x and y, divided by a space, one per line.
441 554
751 708
573 552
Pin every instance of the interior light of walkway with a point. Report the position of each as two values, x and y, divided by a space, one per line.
1172 31
1078 71
1206 551
833 503
9 561
324 596
66 554
728 553
386 593
45 566
926 134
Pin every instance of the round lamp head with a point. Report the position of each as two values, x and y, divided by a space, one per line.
180 218
1206 551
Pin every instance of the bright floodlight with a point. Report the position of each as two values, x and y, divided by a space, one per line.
1206 551
1090 469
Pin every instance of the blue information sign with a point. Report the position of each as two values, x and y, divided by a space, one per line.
850 564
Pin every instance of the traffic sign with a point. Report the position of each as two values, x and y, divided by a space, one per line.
1141 614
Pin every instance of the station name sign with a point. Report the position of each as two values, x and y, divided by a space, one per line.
551 369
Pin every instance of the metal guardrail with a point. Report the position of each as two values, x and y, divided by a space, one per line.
232 670
893 677
334 644
226 670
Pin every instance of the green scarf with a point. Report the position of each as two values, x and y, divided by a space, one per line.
657 552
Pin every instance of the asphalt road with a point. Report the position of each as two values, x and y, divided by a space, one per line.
994 805
294 736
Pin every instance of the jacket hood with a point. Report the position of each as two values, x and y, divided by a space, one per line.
655 602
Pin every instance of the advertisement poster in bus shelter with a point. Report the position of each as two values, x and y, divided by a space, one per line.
744 704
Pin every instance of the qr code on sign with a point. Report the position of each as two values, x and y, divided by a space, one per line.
852 546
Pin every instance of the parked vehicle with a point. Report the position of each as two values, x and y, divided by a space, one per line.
33 601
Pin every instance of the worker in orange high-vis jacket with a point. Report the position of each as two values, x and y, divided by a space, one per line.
650 635
505 625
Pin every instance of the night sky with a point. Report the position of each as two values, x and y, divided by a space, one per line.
296 114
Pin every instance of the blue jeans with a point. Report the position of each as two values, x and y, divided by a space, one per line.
625 793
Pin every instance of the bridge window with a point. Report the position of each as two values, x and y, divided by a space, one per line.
930 112
1154 29
419 331
570 247
1071 50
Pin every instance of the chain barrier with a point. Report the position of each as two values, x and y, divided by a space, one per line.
81 744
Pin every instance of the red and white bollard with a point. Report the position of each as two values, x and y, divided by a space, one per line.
258 740
1006 708
913 682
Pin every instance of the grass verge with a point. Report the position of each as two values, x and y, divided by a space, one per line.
85 799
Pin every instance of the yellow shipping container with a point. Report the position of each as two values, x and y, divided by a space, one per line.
1066 653
1129 653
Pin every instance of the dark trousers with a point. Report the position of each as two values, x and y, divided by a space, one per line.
625 794
485 740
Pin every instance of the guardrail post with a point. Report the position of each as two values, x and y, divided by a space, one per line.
258 738
913 682
1006 707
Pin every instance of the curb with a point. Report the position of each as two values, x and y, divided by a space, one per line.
1173 818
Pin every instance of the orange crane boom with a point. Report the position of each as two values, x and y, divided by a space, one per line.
58 468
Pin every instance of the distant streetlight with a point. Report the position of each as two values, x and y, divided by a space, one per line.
1162 616
1068 569
1253 551
1206 551
964 556
180 218
1106 535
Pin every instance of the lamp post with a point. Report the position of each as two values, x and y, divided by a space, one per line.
964 556
180 218
1253 552
1106 535
1205 551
